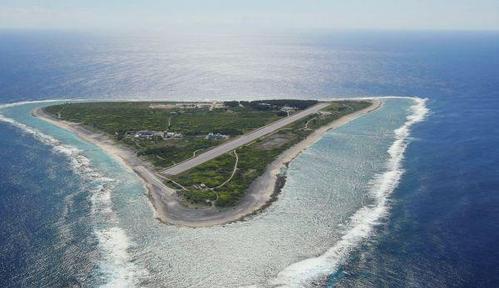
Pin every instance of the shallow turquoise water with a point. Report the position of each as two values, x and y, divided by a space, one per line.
104 182
442 227
326 185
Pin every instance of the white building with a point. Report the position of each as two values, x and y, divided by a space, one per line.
144 134
171 135
215 136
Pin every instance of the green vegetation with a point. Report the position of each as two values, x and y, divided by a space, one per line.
120 117
121 120
206 184
253 159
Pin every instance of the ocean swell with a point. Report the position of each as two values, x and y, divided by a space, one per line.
116 267
362 223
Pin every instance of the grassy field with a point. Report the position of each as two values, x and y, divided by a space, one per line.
207 184
119 118
253 159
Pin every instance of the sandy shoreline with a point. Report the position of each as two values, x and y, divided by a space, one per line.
264 188
165 201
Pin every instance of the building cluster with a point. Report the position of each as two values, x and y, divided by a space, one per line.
145 134
148 135
188 105
171 135
216 136
200 105
288 109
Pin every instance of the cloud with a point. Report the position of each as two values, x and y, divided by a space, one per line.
276 14
43 17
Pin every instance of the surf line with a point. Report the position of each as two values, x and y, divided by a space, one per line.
362 223
115 265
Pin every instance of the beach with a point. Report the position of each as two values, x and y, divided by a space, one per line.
80 218
167 205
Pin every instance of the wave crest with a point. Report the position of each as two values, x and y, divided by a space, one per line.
115 265
363 222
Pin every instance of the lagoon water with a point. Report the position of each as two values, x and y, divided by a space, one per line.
360 207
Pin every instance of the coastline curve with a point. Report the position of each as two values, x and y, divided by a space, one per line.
167 204
362 223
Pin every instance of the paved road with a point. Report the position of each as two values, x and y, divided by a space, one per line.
242 140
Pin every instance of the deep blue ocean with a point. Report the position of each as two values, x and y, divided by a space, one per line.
442 228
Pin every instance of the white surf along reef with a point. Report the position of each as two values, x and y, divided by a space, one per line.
115 266
362 223
119 270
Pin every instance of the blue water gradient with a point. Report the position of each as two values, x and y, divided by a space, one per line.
442 226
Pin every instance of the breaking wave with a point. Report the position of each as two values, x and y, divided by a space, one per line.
363 222
116 267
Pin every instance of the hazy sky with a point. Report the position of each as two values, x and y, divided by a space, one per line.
250 14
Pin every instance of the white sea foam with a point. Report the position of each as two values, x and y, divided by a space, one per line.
119 271
116 266
363 222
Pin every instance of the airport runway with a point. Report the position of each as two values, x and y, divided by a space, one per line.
241 140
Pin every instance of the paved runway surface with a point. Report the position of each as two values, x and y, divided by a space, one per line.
242 140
